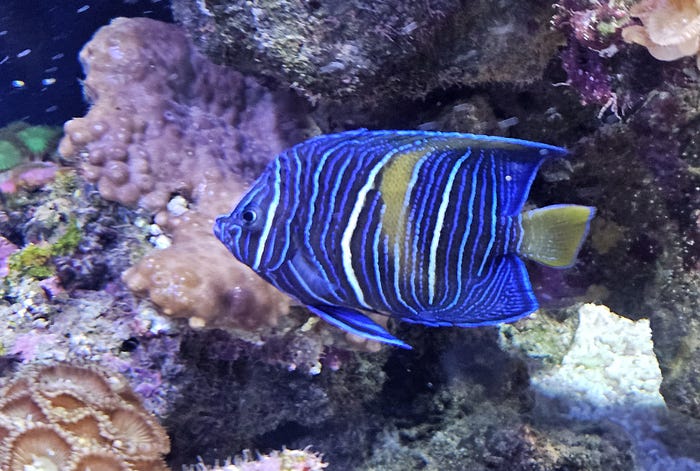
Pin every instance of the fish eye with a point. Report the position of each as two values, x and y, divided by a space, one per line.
249 215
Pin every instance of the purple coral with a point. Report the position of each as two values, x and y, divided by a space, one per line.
592 29
7 248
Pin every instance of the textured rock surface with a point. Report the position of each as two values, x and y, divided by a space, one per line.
372 53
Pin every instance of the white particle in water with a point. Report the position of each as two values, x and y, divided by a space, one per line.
24 53
83 8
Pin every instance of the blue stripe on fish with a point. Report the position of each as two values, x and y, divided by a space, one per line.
422 226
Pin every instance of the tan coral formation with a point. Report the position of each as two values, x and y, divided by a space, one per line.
197 278
69 418
164 120
670 28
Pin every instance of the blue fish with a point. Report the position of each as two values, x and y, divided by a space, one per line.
426 227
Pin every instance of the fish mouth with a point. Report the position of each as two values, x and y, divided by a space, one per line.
224 230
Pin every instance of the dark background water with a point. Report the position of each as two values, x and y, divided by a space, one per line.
42 86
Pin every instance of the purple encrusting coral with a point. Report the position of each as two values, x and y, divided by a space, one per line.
592 29
7 248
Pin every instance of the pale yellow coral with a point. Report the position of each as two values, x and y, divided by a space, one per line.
70 418
670 28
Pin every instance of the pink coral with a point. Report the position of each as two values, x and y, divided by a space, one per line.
285 460
28 176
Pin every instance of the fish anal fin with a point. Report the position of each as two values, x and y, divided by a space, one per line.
356 323
505 296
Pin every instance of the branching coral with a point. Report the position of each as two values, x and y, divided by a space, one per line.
70 418
670 28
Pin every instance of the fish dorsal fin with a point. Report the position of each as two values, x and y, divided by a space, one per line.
513 162
515 168
356 323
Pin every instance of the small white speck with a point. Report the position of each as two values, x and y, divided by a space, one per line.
177 206
83 8
161 242
51 109
509 178
507 123
18 83
4 59
3 32
58 56
24 53
332 67
409 28
51 70
155 230
544 151
48 81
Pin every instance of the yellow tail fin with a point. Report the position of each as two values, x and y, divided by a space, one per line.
553 235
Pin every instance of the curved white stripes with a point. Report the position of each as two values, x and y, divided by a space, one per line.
346 239
269 217
437 230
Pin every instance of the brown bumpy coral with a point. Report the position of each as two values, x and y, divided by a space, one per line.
70 418
198 279
164 120
671 28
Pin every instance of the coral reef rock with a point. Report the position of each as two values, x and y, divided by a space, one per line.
609 372
71 418
225 294
610 364
371 53
285 460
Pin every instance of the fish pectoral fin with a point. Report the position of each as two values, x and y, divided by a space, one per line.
306 270
356 323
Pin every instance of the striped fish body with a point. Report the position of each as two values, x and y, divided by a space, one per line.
425 227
